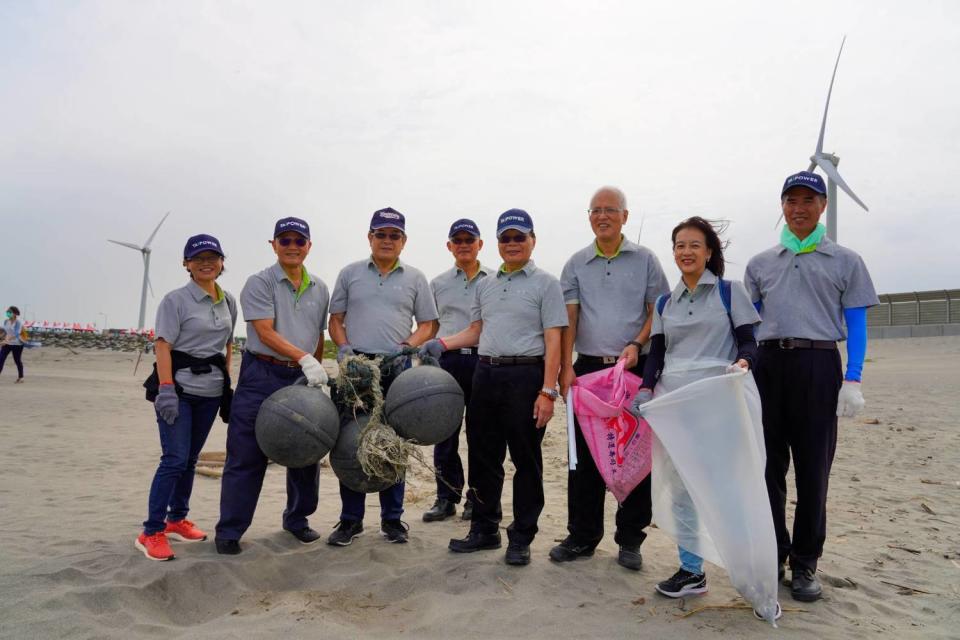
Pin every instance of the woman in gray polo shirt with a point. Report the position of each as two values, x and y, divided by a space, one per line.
194 326
698 329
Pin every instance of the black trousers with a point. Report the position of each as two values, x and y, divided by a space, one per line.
17 351
500 417
798 390
446 455
586 490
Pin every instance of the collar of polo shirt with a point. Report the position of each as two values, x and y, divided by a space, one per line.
396 265
826 246
526 269
199 294
305 281
625 245
708 277
457 271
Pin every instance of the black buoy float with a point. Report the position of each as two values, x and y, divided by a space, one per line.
424 404
297 425
346 465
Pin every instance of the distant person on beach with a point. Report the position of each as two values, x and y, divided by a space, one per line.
190 384
609 288
285 308
454 291
811 293
375 303
516 321
704 320
12 342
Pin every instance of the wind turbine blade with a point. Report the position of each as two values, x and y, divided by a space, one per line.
823 125
150 239
813 164
125 244
150 287
834 175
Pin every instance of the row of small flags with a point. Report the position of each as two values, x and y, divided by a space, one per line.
76 326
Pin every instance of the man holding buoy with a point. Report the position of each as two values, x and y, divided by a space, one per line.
374 305
454 291
811 293
285 308
516 321
609 288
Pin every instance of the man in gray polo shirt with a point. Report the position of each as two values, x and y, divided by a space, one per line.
454 291
517 319
810 293
286 309
609 288
374 305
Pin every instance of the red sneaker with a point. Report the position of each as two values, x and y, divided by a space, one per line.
184 530
154 547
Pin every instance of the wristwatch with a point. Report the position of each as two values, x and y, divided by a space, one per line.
553 394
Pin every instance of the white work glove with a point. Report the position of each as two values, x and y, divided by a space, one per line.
850 400
313 371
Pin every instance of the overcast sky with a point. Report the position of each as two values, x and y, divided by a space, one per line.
231 115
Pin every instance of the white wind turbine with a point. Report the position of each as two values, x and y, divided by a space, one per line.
829 161
145 252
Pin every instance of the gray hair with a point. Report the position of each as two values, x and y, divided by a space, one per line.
621 197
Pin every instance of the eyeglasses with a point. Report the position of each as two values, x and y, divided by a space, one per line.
467 240
383 235
205 259
596 211
507 239
285 242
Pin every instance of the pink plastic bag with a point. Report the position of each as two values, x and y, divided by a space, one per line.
619 443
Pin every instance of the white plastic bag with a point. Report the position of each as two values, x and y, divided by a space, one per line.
708 484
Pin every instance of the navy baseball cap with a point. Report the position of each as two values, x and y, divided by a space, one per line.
292 224
514 219
464 224
388 217
806 179
200 243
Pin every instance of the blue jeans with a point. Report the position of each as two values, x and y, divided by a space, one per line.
690 561
180 443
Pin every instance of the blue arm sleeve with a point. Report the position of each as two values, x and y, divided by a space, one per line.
856 319
758 305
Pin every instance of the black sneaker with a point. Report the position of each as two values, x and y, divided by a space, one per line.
227 547
630 558
394 531
683 583
346 531
467 511
475 542
305 535
441 510
805 586
570 549
517 554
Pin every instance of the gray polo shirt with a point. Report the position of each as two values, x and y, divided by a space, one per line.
189 320
516 308
695 323
454 294
612 293
380 309
804 295
299 316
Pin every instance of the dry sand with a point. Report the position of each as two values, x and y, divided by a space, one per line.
78 447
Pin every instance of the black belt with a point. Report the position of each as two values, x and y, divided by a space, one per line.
289 364
510 360
798 343
597 359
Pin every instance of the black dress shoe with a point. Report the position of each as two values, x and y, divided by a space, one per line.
804 586
569 550
517 554
475 542
467 511
227 547
441 510
630 558
305 535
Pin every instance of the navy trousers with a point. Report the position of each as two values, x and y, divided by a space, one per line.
246 463
500 417
798 391
391 499
446 455
586 491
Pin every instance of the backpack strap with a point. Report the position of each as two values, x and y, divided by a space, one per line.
661 303
724 286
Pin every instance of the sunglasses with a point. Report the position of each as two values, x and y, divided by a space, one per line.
285 242
383 235
467 240
507 239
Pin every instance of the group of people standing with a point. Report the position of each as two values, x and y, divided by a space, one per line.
516 338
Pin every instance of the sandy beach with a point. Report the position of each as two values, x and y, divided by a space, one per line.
79 447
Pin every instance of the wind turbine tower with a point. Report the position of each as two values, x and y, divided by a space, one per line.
145 252
829 161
